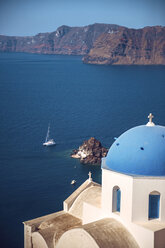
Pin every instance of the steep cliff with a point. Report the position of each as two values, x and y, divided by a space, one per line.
65 40
99 43
129 46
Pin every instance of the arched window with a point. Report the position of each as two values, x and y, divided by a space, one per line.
116 199
154 205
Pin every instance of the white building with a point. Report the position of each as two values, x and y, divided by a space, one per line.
127 211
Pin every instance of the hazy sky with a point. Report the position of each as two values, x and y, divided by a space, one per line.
29 17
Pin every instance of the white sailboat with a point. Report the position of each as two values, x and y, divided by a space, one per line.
48 141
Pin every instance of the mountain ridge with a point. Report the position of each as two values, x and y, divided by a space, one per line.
98 43
65 40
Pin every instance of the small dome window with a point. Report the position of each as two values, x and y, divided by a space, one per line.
163 135
117 144
142 148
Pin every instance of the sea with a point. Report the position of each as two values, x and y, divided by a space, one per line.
79 101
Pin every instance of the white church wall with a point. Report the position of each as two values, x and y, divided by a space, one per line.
134 204
142 187
143 236
111 179
147 237
91 213
27 236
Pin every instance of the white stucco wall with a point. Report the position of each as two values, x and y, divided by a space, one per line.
134 206
91 213
134 195
109 180
27 236
143 236
142 187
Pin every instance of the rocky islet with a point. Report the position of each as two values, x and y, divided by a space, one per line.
90 152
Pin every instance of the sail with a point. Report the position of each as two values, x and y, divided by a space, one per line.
48 141
47 136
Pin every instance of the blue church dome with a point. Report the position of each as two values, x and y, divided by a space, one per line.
138 151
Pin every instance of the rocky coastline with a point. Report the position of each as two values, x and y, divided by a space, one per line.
90 152
144 46
98 44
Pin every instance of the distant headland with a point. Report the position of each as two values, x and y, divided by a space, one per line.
98 44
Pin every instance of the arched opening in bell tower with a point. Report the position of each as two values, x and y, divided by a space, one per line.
116 200
154 205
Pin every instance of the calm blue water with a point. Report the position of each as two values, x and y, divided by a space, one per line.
79 101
